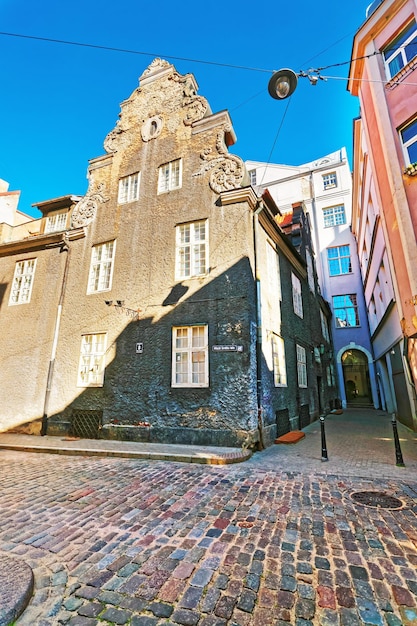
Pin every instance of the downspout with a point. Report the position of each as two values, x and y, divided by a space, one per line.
64 248
258 327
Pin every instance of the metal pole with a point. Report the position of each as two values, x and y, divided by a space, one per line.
324 456
398 453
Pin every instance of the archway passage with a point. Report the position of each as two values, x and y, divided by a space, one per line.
356 378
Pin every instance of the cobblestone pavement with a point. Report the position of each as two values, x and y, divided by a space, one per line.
276 540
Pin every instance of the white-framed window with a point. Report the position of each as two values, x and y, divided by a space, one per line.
324 326
339 260
252 177
190 356
301 366
408 136
101 268
278 361
56 222
170 176
297 298
92 360
191 249
345 310
329 180
274 276
400 50
129 188
24 273
334 216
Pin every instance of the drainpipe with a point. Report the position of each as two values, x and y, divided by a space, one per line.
64 248
258 327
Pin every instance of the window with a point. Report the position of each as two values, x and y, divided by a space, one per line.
324 326
334 216
101 269
329 180
272 265
190 356
22 282
169 176
301 366
129 188
339 260
345 309
331 379
409 142
56 222
91 369
278 361
252 177
401 50
192 253
297 298
310 271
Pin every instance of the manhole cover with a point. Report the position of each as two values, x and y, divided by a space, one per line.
376 498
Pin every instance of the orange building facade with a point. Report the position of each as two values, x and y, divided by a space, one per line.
383 75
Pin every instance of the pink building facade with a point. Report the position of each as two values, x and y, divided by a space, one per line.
383 75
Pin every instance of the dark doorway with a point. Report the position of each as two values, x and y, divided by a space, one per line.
356 378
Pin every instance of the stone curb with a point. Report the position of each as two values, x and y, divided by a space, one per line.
16 587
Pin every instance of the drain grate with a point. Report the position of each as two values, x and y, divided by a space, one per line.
377 499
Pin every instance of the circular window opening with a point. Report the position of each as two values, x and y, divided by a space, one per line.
377 499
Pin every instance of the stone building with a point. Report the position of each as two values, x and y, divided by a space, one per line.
167 304
322 189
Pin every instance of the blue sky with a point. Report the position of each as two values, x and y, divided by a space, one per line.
59 101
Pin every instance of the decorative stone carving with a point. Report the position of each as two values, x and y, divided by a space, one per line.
85 211
156 66
151 128
114 140
228 169
195 109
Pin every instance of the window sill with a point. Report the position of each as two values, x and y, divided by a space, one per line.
403 73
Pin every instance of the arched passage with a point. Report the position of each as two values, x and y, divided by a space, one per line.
356 377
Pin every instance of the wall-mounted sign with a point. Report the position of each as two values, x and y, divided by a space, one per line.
139 348
227 348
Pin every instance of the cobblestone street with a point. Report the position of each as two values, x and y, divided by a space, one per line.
120 541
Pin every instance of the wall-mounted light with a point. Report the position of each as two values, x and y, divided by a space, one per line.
108 302
120 302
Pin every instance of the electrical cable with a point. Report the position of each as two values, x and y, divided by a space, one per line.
127 51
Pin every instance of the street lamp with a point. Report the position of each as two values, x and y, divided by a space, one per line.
282 84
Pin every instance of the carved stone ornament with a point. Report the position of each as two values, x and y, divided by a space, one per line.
227 169
85 211
155 66
195 109
151 128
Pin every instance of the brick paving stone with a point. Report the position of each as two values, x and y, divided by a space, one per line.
247 601
191 598
403 596
92 609
349 617
305 609
79 620
185 617
143 620
326 597
117 616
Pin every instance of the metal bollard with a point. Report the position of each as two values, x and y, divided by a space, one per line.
324 456
398 453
